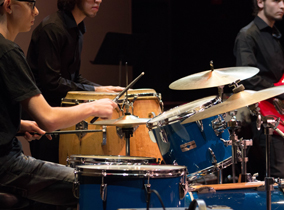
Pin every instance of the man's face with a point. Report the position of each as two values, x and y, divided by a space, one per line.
89 7
273 9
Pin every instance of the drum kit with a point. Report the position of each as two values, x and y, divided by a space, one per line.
145 157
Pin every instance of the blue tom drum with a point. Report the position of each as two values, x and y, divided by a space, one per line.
200 146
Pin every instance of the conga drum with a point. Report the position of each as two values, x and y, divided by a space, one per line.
110 139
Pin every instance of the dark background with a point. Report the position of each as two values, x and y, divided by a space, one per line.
182 38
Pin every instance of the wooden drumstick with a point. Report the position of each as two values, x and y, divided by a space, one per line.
121 93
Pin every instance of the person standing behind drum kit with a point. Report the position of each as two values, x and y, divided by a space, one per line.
258 45
23 175
54 56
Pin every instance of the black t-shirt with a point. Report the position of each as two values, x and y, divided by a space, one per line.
16 84
54 56
258 45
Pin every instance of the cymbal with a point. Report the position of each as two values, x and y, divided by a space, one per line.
125 121
215 78
236 101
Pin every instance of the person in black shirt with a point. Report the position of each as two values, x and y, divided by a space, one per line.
257 45
54 56
23 175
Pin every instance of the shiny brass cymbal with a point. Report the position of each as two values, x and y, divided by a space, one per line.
125 121
236 101
213 78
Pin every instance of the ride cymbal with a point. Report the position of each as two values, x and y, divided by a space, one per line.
213 78
236 101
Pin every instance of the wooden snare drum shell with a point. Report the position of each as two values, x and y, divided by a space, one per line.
91 144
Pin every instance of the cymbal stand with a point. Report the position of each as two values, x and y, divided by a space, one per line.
128 131
233 125
269 125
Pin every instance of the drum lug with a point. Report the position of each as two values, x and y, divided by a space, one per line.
148 191
163 136
76 186
214 159
103 192
218 125
104 130
183 189
83 125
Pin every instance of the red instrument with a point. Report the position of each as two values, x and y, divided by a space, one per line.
267 107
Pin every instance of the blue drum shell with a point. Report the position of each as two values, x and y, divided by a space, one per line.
198 158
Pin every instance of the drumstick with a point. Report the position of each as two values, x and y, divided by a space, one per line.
62 132
121 93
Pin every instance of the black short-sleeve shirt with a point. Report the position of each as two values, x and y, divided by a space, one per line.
16 84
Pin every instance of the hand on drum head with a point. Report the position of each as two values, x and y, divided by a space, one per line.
110 89
104 108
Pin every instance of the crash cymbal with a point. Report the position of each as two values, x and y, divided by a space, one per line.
236 101
125 121
213 78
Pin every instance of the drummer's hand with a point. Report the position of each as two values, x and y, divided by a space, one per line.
110 89
29 127
104 108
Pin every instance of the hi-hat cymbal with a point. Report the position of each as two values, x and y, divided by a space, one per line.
236 101
215 78
125 121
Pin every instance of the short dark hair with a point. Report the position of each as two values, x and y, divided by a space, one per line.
68 5
255 7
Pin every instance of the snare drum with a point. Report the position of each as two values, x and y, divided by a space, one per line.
76 160
250 195
199 145
109 187
110 141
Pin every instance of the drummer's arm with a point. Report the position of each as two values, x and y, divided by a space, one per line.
54 118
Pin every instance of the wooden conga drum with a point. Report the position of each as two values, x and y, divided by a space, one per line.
146 104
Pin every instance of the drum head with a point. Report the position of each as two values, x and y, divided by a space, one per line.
153 171
179 111
110 159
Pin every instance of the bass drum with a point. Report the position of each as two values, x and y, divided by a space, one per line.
249 195
109 140
201 145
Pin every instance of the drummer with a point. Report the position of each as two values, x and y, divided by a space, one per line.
258 45
54 56
31 178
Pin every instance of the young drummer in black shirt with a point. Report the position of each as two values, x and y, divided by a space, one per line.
34 179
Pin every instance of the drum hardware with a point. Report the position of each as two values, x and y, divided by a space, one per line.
127 123
188 146
76 185
122 92
269 124
163 136
120 133
218 125
83 125
103 189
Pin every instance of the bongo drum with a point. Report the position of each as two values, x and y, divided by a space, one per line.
110 141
